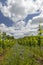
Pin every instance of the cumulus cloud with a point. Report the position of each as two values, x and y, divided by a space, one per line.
18 10
21 31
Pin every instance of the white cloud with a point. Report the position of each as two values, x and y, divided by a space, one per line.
21 31
18 10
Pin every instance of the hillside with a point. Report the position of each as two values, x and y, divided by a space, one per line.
22 51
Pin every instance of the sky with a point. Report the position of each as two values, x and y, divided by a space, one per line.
21 18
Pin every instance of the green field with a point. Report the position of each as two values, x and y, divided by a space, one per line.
22 51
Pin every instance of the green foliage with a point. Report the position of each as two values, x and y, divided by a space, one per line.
23 51
1 50
31 41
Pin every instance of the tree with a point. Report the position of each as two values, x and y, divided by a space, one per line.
39 34
3 39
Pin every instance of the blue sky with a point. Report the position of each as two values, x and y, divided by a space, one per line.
3 1
16 17
5 20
